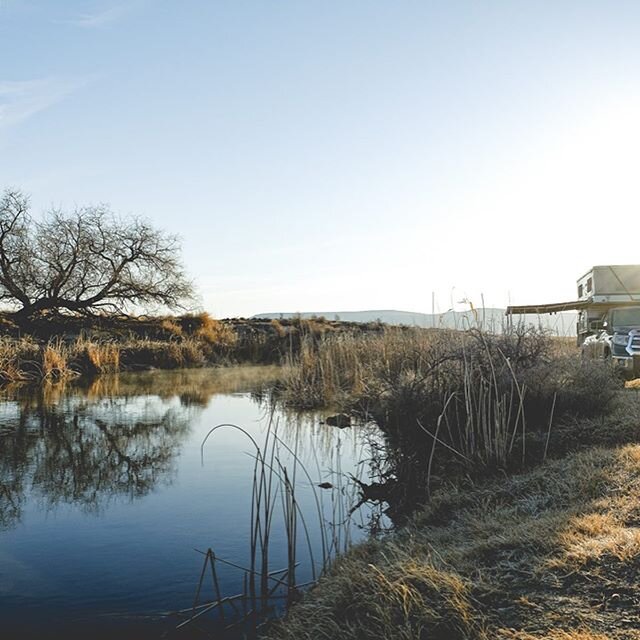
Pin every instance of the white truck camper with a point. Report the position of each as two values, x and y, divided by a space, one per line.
608 306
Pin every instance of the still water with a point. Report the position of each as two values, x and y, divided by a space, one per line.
106 496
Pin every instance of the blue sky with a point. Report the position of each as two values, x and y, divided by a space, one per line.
338 155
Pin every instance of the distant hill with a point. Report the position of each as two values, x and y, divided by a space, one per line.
562 324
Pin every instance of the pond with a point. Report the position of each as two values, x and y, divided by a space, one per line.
108 498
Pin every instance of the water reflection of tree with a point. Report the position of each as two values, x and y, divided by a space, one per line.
115 438
71 453
11 497
89 461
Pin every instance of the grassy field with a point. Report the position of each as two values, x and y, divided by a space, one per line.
553 553
513 470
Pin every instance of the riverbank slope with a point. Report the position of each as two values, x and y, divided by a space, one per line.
553 553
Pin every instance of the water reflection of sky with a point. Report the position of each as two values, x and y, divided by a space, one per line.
104 495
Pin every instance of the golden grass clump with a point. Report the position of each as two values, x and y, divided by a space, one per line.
203 327
216 333
279 329
54 360
614 540
171 327
381 591
97 357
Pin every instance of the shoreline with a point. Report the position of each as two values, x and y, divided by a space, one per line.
548 554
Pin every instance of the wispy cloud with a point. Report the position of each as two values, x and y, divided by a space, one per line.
98 18
19 100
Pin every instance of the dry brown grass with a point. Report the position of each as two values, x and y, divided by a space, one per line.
203 327
96 357
552 554
336 369
171 327
54 360
162 354
14 354
279 329
27 361
24 360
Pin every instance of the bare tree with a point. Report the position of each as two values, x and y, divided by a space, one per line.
86 261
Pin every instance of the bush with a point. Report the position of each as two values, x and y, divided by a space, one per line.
449 400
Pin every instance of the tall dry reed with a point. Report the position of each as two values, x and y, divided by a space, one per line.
275 512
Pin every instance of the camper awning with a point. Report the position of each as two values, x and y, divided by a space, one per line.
576 305
554 307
